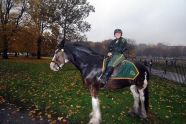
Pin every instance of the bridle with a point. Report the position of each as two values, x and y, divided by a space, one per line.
55 62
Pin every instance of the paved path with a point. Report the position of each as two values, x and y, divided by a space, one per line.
11 114
170 76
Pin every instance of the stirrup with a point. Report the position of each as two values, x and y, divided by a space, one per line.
99 77
103 81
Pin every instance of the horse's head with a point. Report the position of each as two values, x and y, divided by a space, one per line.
59 59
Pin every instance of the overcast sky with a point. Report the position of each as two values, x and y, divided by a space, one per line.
145 21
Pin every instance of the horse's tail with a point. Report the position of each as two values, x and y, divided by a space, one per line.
146 91
146 95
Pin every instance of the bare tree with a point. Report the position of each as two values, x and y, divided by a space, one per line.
11 12
40 12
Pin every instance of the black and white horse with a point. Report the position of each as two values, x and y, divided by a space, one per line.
89 63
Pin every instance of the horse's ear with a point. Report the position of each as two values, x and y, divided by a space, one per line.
61 44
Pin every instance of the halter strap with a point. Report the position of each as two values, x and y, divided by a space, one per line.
56 63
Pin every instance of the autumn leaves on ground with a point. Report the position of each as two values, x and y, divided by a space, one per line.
30 83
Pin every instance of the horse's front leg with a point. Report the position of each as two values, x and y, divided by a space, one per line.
96 113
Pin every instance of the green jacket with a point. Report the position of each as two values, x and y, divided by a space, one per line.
118 47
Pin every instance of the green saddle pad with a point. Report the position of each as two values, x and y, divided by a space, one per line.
126 70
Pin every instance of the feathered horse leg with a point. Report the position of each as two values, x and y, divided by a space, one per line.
95 115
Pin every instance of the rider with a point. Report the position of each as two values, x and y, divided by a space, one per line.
115 54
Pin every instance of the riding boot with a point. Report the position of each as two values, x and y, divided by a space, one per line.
105 77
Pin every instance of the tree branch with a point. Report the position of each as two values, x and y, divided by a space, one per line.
23 9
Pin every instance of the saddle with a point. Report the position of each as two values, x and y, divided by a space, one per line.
125 70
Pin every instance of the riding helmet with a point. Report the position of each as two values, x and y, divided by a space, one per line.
118 31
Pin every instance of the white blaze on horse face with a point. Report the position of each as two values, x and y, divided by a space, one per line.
53 66
53 59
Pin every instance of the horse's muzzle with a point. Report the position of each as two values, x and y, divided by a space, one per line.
54 66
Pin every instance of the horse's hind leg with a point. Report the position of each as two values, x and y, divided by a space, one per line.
143 113
135 109
143 93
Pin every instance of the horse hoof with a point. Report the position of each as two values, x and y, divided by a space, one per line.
132 114
94 121
143 116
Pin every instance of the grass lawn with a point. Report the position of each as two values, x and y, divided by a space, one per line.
31 83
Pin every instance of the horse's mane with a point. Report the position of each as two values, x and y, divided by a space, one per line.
85 49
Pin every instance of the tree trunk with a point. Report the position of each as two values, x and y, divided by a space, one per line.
39 40
5 48
15 54
27 54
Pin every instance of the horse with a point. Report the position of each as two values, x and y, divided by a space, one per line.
89 63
